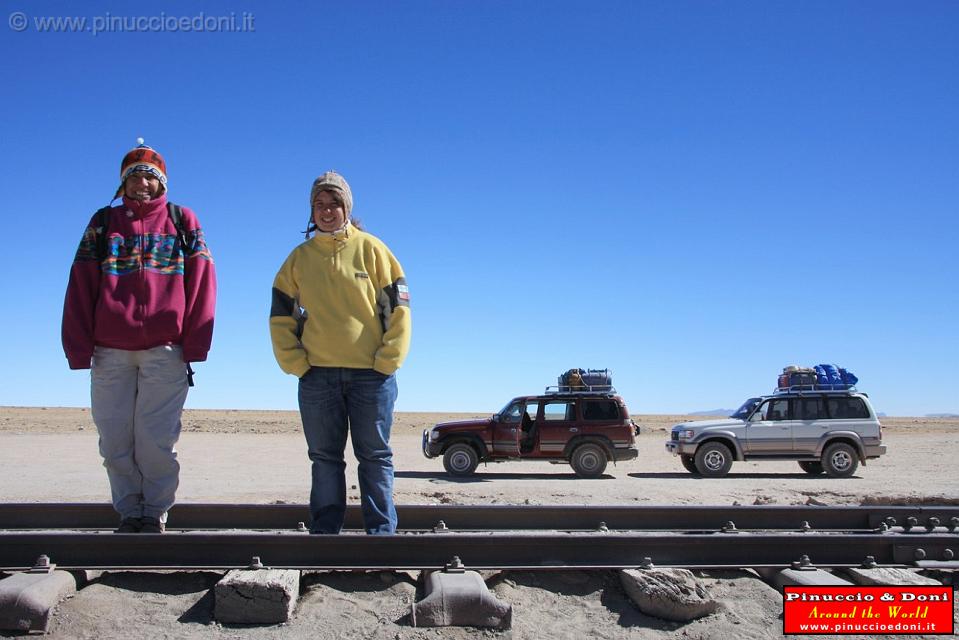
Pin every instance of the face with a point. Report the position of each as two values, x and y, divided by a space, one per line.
141 186
328 214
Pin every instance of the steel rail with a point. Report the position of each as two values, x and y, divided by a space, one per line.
491 550
505 517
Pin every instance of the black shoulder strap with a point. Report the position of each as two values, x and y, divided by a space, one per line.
176 217
100 229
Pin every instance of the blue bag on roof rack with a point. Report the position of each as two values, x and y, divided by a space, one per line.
834 377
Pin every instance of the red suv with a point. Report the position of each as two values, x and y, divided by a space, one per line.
585 429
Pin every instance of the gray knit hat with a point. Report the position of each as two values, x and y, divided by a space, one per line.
332 181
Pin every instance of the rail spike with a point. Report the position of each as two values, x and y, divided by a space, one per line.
803 564
43 565
455 565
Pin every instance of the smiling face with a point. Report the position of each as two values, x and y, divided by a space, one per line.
141 186
328 212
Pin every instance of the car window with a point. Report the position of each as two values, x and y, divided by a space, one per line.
531 408
847 407
745 409
809 408
558 411
777 409
600 410
513 412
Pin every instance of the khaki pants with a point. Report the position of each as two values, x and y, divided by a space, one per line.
136 401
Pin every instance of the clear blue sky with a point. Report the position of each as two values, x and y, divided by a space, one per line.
692 194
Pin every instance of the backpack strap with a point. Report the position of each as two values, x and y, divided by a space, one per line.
100 229
175 212
176 217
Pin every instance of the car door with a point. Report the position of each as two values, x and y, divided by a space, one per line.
556 424
507 430
810 423
603 417
769 431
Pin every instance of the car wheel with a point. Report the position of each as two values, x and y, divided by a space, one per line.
689 463
810 467
589 460
713 459
840 460
460 459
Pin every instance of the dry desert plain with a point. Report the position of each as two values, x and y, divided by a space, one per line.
50 455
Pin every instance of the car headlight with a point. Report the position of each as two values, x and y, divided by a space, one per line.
434 435
686 434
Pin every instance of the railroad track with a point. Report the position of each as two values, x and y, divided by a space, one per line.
218 536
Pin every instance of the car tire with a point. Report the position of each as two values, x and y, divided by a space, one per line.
840 460
713 459
460 459
588 460
689 463
813 468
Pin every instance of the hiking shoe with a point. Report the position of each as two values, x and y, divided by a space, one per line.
152 525
129 525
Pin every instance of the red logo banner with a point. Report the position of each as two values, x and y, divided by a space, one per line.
868 610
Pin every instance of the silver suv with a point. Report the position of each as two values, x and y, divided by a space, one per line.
831 431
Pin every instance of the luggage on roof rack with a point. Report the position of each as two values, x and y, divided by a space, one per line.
797 377
585 380
822 377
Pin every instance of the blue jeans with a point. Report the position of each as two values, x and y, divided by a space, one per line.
333 401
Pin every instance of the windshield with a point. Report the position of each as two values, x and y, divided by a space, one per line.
747 407
505 410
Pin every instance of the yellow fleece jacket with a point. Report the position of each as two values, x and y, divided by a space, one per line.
340 300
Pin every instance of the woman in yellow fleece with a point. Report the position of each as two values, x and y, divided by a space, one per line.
340 322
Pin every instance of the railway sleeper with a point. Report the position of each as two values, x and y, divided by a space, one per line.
27 599
458 597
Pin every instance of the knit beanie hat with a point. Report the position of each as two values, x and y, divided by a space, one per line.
332 181
145 159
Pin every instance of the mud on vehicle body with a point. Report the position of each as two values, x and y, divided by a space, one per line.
584 429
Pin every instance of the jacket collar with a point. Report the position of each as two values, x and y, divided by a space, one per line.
342 234
142 210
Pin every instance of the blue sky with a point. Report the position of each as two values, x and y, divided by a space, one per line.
691 194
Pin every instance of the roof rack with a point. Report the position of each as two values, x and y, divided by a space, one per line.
816 388
607 389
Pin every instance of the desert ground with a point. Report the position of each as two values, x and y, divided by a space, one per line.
50 455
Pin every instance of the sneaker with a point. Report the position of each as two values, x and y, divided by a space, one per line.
129 525
152 525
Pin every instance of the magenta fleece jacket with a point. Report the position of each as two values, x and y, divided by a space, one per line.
147 292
